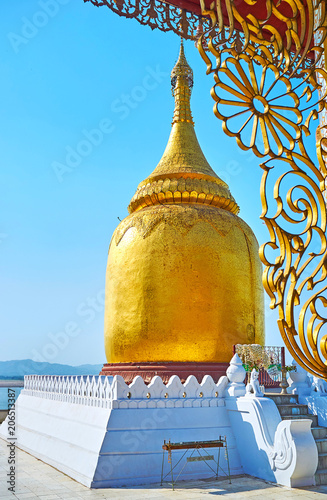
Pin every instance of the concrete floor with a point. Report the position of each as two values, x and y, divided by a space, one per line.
36 479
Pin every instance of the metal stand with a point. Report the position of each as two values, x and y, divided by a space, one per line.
195 446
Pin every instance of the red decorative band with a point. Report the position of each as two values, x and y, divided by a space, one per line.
165 370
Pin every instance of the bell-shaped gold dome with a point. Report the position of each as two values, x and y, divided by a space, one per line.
184 277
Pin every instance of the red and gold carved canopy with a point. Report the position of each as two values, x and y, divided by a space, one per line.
289 22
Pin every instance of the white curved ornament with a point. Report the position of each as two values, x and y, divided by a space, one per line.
282 455
274 448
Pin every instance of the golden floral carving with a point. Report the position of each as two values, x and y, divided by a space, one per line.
259 103
255 94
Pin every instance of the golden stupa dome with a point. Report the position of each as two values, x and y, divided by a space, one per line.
183 278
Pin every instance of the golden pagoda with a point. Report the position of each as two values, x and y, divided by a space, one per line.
183 279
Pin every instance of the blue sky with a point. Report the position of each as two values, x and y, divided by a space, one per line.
78 72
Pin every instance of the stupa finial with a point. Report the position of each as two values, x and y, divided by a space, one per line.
183 171
181 84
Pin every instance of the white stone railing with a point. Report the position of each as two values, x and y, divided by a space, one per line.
86 390
115 393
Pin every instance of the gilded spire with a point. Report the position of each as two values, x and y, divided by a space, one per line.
183 174
181 84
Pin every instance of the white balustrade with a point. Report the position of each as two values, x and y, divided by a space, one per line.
106 392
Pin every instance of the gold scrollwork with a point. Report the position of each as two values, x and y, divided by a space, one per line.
157 15
260 105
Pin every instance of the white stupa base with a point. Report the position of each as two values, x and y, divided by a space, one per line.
117 441
107 434
101 447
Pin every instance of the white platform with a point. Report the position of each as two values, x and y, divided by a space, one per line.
104 433
117 441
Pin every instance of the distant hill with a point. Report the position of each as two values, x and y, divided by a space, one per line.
17 369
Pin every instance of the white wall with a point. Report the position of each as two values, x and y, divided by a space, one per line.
102 447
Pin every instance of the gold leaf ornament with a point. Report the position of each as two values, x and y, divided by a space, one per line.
262 114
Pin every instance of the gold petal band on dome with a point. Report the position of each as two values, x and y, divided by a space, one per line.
183 190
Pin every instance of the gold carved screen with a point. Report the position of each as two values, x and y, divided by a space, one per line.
270 86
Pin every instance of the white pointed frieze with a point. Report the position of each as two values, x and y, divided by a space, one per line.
157 388
208 387
192 387
175 388
138 389
115 393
